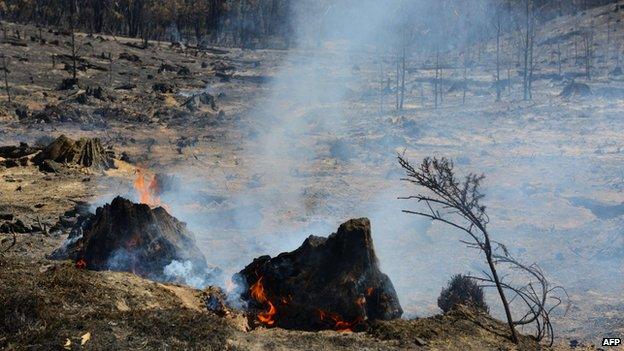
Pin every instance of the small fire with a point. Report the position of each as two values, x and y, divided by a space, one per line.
147 192
258 294
360 301
337 322
81 264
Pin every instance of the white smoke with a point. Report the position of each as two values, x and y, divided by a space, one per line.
183 272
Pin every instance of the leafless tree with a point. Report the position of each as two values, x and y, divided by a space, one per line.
72 18
5 69
498 27
404 38
587 44
381 85
457 203
527 48
558 53
465 75
436 81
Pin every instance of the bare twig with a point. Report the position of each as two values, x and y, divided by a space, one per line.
6 249
44 229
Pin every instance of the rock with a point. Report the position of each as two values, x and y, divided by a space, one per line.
125 236
85 152
617 71
163 88
575 89
327 283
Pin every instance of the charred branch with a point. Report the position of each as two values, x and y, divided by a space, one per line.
457 203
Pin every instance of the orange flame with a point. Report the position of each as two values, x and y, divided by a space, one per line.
258 294
338 323
147 192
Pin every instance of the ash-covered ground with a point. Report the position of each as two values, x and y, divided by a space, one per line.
299 141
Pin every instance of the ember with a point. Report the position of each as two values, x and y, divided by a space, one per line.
81 264
336 322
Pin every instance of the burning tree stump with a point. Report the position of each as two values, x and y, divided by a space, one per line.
85 152
124 236
327 283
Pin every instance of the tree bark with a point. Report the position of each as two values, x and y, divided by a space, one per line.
488 254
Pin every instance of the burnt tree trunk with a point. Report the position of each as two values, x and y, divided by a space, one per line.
5 68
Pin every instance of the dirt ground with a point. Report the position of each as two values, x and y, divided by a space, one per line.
255 182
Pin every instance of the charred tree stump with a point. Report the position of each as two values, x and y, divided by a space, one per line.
85 152
125 236
327 283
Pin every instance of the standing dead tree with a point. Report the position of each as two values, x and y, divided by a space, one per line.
498 27
5 68
457 203
525 43
405 33
587 43
72 17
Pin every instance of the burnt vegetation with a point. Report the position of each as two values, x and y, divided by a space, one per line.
232 23
456 202
462 290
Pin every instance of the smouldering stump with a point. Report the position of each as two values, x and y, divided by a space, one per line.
327 283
